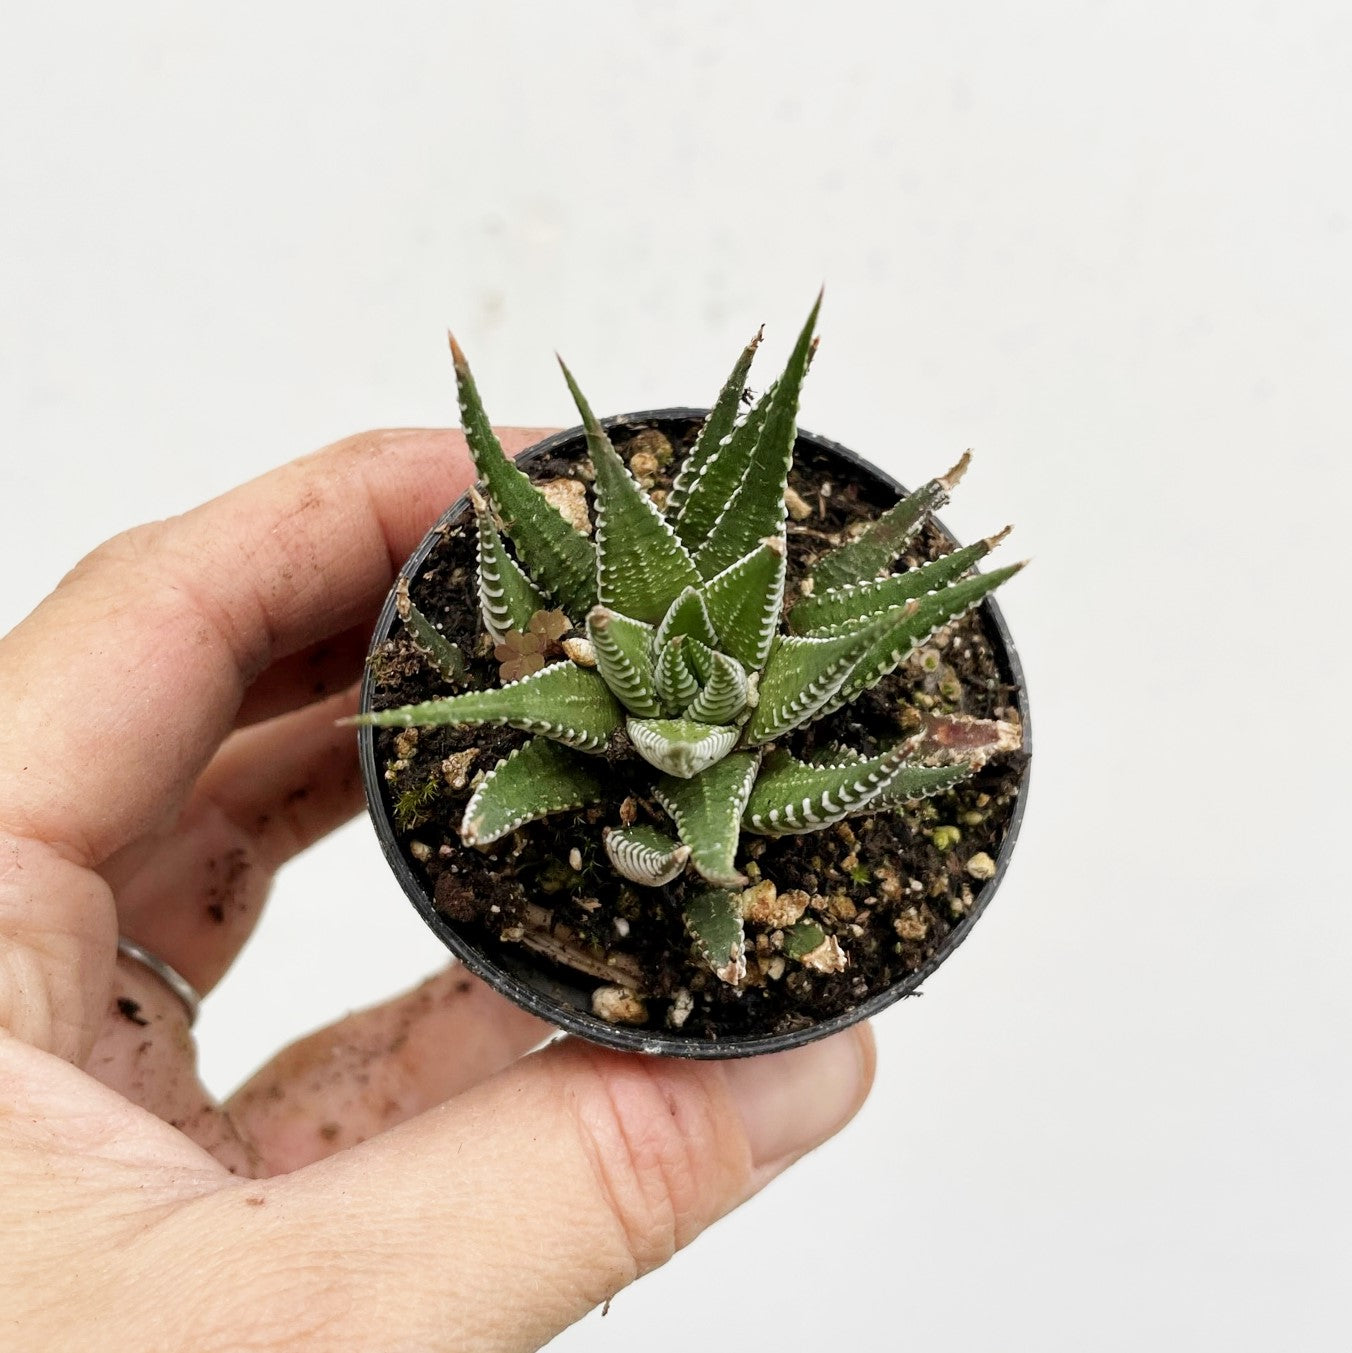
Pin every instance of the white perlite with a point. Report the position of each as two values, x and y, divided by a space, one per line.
619 1005
569 498
981 866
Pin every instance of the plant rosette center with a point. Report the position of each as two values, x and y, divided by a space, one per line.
696 727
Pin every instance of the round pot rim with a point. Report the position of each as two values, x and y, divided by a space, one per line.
536 998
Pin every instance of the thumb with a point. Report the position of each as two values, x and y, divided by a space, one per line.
498 1219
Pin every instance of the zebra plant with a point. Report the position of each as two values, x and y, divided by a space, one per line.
689 660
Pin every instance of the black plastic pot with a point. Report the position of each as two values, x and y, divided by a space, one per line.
566 1003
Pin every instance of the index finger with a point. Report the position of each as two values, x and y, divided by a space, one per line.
124 681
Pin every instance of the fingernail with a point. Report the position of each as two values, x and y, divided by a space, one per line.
793 1101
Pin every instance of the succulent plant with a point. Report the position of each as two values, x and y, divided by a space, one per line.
684 654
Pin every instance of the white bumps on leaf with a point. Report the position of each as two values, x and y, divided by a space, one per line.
624 660
507 598
563 701
707 810
678 746
723 697
644 855
537 779
676 684
713 918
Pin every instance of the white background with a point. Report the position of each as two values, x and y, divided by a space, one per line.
1107 245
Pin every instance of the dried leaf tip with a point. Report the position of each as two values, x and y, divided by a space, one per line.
950 480
457 356
991 542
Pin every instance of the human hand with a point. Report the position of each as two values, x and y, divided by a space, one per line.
406 1179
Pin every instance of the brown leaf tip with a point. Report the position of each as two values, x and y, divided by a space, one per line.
950 480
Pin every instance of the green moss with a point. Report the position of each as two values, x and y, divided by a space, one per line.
411 807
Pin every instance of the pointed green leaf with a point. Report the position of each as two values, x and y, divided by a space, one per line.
715 922
724 475
645 855
913 782
756 510
707 810
676 683
700 658
835 754
623 658
909 626
678 746
563 701
791 796
724 694
445 656
714 437
559 558
815 613
507 598
536 780
865 558
687 616
802 674
744 601
641 566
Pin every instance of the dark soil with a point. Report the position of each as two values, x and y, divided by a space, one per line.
881 885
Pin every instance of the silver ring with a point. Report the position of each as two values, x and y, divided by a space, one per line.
175 981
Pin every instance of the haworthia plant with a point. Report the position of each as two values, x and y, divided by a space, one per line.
689 661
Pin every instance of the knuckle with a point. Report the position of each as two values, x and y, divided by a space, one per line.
374 444
666 1157
151 571
129 550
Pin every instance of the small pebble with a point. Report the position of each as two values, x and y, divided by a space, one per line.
569 498
456 767
619 1005
799 508
826 957
682 1004
643 465
911 926
580 651
981 866
763 904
